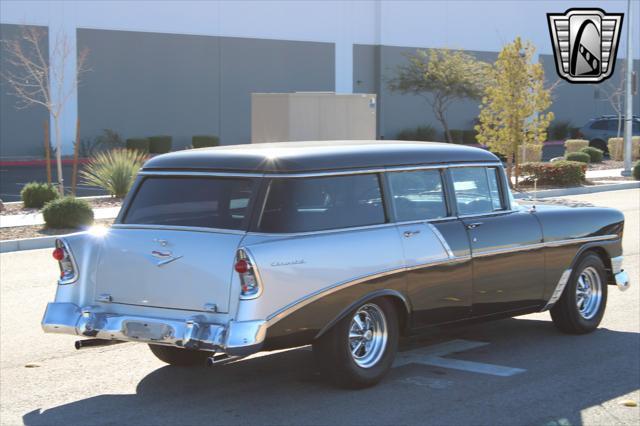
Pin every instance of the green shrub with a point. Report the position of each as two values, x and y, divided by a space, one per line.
421 133
575 145
636 171
582 157
159 144
67 212
616 148
36 194
595 154
138 144
559 130
203 141
113 171
558 173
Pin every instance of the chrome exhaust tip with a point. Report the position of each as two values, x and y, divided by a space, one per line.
88 343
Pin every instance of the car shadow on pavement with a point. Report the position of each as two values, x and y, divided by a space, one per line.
285 387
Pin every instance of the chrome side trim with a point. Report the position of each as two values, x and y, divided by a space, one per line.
535 246
442 240
508 250
559 243
450 260
557 292
179 228
304 301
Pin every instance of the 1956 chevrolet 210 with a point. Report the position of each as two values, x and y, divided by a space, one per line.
223 252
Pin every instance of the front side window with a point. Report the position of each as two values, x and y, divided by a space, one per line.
417 195
322 203
477 190
188 201
600 125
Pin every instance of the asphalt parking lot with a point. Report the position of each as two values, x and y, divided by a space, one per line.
510 372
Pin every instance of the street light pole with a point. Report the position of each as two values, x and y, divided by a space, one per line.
628 117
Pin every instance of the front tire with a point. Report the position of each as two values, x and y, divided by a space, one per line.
179 357
359 350
582 305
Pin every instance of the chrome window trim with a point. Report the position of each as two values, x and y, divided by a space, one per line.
318 173
324 231
493 213
179 228
196 173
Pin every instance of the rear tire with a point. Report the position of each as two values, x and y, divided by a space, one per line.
178 356
582 304
359 350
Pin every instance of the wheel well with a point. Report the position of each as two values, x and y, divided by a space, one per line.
401 310
604 256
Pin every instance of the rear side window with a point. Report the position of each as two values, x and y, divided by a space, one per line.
600 125
417 195
186 201
477 190
322 203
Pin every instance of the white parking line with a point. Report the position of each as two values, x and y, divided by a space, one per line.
433 355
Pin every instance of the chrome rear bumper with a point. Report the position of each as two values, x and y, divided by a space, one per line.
235 338
620 276
622 280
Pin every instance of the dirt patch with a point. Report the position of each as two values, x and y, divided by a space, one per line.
606 165
20 232
95 203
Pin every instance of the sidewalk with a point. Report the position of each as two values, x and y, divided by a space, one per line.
599 174
9 221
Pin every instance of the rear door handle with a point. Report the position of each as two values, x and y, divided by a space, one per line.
409 234
473 225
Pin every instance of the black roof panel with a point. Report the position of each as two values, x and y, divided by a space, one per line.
297 157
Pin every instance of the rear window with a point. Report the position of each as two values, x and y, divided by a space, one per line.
316 204
188 201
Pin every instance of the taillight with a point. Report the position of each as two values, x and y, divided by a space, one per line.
249 282
67 267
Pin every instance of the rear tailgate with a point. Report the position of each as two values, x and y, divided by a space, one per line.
167 268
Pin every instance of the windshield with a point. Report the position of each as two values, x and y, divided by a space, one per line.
206 202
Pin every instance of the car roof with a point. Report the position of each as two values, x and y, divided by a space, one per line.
315 156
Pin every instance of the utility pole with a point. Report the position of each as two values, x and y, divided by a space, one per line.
628 115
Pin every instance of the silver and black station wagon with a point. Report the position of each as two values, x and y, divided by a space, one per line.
223 252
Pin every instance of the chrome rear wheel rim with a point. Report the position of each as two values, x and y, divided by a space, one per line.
367 335
589 293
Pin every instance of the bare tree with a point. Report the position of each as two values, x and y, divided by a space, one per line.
39 76
615 96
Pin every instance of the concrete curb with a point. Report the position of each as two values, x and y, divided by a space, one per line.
27 244
577 190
